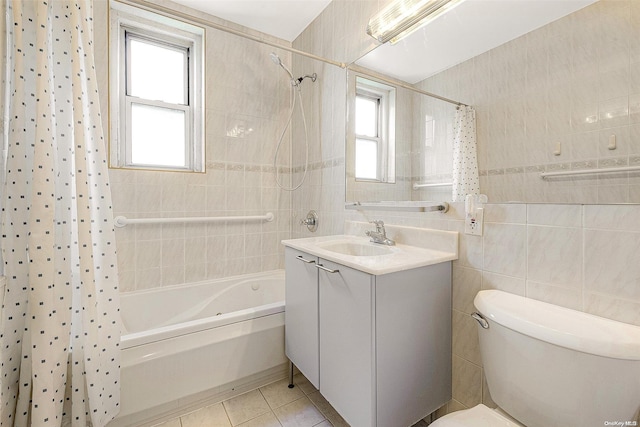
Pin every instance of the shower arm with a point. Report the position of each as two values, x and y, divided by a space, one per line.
313 78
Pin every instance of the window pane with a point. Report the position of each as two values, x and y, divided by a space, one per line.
366 116
157 136
366 159
157 73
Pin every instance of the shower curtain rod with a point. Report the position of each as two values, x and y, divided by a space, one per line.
171 13
403 85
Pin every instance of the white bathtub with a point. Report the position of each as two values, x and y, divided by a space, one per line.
187 344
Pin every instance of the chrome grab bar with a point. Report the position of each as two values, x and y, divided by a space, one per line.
432 184
397 206
590 171
308 261
121 221
328 270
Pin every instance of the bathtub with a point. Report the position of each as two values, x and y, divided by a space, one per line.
189 344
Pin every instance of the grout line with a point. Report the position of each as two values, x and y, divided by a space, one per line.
224 408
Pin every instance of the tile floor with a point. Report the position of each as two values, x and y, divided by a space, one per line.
274 405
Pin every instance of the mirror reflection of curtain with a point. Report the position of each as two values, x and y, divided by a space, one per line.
465 158
59 324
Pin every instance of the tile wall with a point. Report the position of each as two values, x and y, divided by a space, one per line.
568 86
247 101
577 256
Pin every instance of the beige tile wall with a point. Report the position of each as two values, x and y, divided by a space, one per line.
571 83
244 90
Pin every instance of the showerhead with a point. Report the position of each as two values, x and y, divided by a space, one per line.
276 60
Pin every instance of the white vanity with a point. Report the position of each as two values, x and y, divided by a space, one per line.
370 325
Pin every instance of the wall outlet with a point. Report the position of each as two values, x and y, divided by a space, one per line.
473 223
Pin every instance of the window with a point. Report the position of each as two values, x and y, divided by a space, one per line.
156 91
367 136
375 131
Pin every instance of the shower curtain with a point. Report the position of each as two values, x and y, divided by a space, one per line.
465 162
59 324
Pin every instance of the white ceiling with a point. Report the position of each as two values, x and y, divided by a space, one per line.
471 28
285 19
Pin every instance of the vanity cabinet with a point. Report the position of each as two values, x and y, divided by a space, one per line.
378 347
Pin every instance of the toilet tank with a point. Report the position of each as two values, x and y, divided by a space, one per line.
551 366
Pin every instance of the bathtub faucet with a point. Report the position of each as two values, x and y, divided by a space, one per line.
380 235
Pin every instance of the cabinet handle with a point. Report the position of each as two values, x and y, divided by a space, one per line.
308 261
328 270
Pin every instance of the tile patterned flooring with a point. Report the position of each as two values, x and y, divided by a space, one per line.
274 405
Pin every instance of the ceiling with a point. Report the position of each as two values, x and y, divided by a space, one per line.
471 28
285 19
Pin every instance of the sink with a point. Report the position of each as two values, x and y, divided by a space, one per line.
356 249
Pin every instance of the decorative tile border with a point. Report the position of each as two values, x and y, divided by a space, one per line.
437 178
237 167
557 167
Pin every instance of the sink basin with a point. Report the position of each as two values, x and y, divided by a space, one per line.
356 249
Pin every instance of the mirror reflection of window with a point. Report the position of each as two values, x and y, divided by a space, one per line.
366 159
367 136
375 131
367 111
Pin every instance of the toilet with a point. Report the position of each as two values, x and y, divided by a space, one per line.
550 366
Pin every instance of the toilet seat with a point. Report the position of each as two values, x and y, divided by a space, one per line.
478 416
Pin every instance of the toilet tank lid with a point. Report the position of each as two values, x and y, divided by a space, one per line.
560 326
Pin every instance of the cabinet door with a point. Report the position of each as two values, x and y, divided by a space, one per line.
346 343
301 313
413 343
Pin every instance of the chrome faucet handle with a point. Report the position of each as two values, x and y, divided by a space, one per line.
380 235
379 225
311 221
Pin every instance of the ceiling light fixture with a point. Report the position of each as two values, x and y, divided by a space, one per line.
402 17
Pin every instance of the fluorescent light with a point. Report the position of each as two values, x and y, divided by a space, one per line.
402 17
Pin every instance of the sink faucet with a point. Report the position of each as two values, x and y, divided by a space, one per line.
380 235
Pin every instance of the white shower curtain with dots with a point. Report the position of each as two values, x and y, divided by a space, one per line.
465 158
59 324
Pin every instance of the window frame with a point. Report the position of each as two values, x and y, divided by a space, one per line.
129 23
385 139
378 137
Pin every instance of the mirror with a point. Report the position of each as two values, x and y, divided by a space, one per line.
562 98
422 141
